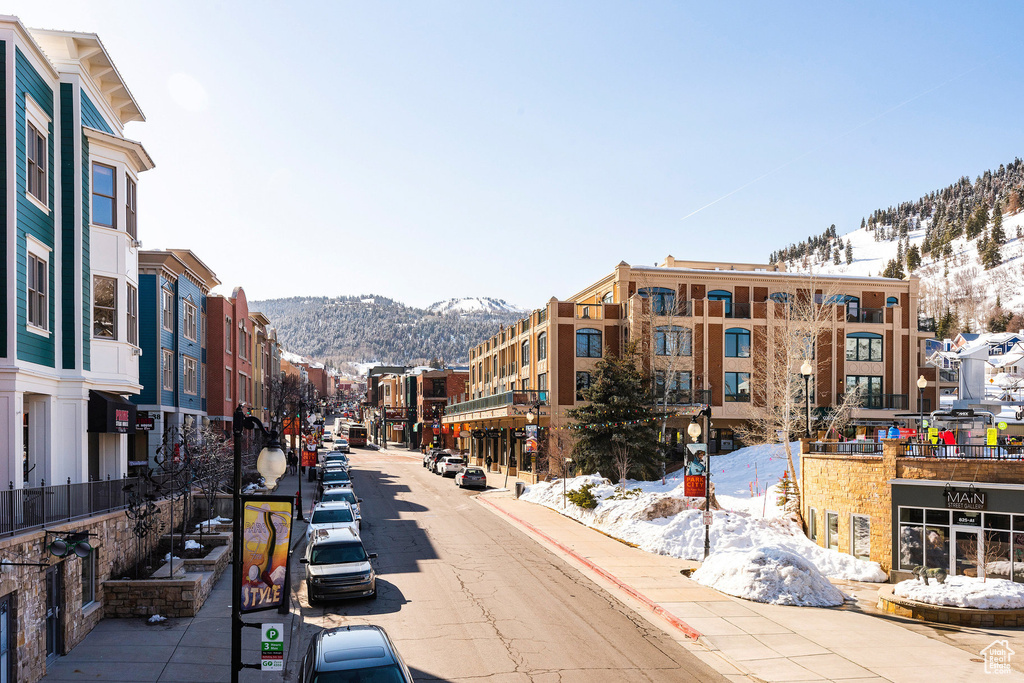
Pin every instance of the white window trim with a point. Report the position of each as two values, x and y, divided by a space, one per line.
42 252
35 116
853 537
812 524
186 304
164 309
828 529
184 370
163 368
90 559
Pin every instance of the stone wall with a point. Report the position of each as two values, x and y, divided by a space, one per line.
114 547
167 597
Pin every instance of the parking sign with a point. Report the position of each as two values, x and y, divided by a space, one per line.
272 648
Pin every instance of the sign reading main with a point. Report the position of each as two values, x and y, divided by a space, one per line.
966 500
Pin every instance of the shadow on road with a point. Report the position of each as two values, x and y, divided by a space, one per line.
389 599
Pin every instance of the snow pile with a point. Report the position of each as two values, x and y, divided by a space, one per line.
742 524
192 545
210 523
156 619
474 304
768 575
168 558
964 591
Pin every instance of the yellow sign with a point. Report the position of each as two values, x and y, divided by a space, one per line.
933 435
266 534
991 436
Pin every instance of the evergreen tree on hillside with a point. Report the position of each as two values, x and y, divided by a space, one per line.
893 269
997 226
849 253
977 221
988 252
913 258
620 411
836 258
947 324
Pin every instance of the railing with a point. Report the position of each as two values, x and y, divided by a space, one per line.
865 315
926 325
847 447
26 509
506 398
883 401
741 311
590 311
683 398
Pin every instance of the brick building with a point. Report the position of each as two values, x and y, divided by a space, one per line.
229 357
434 390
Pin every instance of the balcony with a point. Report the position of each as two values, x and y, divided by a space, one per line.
590 311
684 397
497 401
883 401
865 315
738 311
926 324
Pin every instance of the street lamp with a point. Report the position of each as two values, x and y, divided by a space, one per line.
921 384
694 431
271 464
806 370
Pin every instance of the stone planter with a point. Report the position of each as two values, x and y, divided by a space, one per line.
183 596
942 614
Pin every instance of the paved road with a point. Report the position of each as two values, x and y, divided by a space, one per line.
467 597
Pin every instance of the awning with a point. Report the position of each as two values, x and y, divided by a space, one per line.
111 413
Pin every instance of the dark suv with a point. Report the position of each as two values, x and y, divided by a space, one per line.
351 654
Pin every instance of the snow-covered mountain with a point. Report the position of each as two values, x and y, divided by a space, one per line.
944 238
473 304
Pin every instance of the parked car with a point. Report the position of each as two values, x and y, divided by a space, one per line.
432 460
431 457
450 465
337 566
328 435
341 444
333 478
347 495
336 514
471 476
356 653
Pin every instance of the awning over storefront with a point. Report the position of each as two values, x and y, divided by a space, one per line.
111 413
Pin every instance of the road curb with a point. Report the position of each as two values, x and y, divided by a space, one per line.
678 623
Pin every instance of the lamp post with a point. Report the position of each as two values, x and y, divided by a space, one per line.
694 431
921 384
806 370
271 463
301 448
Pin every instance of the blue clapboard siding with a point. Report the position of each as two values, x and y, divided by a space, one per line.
69 312
167 342
3 197
188 292
149 323
33 221
90 117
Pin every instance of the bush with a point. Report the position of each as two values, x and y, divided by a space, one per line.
583 497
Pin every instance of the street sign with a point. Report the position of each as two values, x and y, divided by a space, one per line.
708 517
311 419
272 648
1001 425
479 433
694 486
962 412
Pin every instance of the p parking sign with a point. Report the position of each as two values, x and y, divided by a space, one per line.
272 648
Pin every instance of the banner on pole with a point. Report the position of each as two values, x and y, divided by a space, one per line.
266 535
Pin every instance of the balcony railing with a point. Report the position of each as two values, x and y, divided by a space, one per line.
865 315
27 509
926 325
590 311
883 401
683 398
924 450
506 398
847 447
740 311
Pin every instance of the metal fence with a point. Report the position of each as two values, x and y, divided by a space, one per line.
923 450
32 508
847 447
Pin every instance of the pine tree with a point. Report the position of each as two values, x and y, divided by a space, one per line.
836 258
849 253
620 409
913 258
997 226
977 221
893 269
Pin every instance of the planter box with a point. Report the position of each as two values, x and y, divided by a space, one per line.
178 597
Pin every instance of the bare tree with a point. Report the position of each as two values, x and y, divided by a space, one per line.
804 316
622 453
210 458
561 441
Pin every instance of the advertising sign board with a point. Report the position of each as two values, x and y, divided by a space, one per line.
266 534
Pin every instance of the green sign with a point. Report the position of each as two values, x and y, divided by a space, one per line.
272 648
1001 425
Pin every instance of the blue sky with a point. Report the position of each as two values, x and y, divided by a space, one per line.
427 150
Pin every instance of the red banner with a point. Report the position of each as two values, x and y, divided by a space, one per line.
290 426
308 458
694 485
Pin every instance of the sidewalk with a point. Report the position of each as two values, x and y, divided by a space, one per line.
743 639
185 649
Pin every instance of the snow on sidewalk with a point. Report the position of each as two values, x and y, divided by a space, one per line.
964 591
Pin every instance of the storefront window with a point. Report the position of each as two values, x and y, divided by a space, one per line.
1018 556
997 554
832 530
911 547
860 534
936 547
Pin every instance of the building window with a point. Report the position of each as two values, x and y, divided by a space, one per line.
737 387
132 309
924 538
227 384
588 343
227 334
722 295
892 301
168 370
832 530
167 309
104 196
860 536
104 307
525 353
89 579
191 330
737 343
191 375
780 297
36 280
202 330
243 395
542 346
673 341
663 300
542 381
582 384
870 387
678 389
202 381
812 524
864 346
243 342
129 207
35 152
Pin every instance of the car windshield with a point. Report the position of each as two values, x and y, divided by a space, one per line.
337 553
375 674
329 515
339 494
473 471
336 475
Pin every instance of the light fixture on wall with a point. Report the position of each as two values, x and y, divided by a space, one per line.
69 543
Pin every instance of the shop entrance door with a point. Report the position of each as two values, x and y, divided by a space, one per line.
5 639
966 551
54 601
